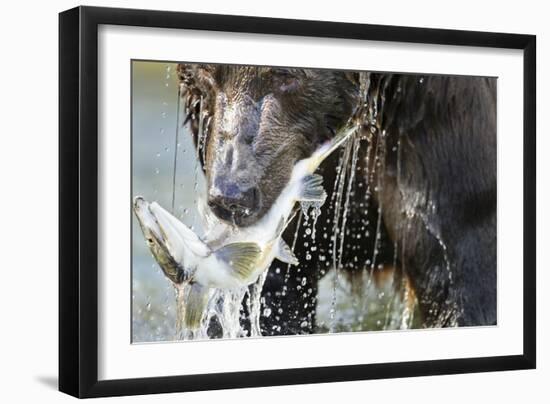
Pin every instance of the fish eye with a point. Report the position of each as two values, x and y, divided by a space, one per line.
150 240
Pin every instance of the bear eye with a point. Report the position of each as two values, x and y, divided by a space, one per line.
285 81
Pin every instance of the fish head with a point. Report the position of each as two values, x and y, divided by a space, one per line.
148 223
156 240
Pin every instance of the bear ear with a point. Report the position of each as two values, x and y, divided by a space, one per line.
199 76
185 73
196 85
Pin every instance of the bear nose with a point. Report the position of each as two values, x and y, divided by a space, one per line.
233 203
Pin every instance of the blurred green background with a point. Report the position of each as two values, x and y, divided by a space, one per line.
154 116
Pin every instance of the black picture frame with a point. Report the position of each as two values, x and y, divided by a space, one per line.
78 206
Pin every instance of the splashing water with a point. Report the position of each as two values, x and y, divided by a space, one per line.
336 229
255 305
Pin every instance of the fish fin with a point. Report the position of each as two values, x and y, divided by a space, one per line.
195 306
241 258
312 189
285 254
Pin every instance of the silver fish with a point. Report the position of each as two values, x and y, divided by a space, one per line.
180 254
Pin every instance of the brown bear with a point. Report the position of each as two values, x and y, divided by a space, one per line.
414 190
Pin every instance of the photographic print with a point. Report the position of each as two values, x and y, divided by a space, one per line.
282 201
334 191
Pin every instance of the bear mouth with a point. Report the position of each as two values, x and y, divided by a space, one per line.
237 216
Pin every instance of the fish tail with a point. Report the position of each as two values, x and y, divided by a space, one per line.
336 142
195 312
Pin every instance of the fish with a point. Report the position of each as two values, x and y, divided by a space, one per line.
228 257
188 260
180 253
